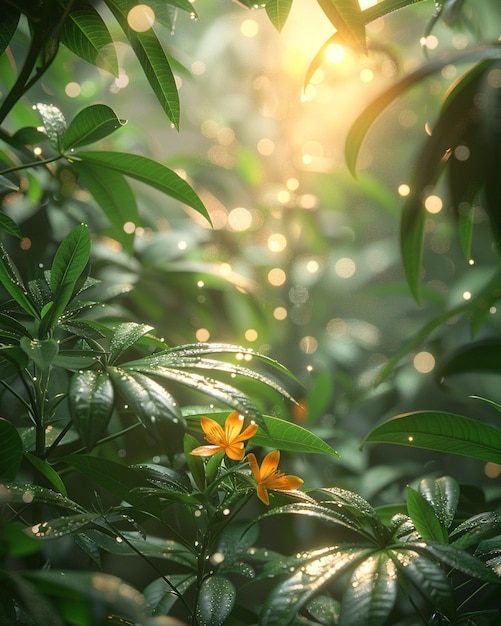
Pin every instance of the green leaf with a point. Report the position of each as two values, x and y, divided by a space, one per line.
152 58
151 403
115 197
322 567
48 471
346 17
41 351
11 450
444 432
159 595
9 226
216 599
278 12
124 336
12 281
86 35
69 262
91 124
91 402
476 529
371 592
426 576
23 493
148 172
195 463
54 124
16 542
443 495
424 518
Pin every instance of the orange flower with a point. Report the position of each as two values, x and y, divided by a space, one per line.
230 440
269 477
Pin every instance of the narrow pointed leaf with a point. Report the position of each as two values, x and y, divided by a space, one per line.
47 471
7 224
41 351
86 35
155 408
114 195
444 432
12 282
152 58
8 26
91 124
371 593
346 17
426 576
476 529
424 518
460 560
20 493
478 356
91 402
150 173
124 336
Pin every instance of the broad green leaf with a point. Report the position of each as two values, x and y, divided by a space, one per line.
11 450
148 172
371 592
152 58
13 283
48 471
124 336
91 587
8 25
54 124
426 576
87 36
41 351
153 406
424 518
216 599
346 17
278 11
63 525
115 197
91 401
8 225
322 567
444 432
325 609
69 262
10 329
443 495
91 124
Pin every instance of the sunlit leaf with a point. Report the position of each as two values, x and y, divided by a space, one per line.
443 432
87 36
443 495
371 592
321 567
346 17
278 11
54 124
148 172
91 401
91 124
